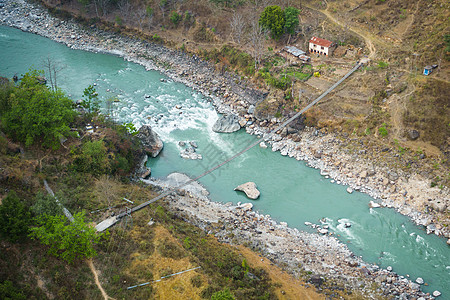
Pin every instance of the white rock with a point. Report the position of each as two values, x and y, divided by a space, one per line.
389 268
374 204
249 188
349 190
246 206
436 294
308 223
263 145
419 280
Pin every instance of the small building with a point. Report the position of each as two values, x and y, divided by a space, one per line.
427 70
321 46
300 54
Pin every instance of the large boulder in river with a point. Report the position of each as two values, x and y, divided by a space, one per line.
150 140
249 188
227 124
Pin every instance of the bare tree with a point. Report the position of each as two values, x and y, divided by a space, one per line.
162 6
103 5
52 69
140 15
257 41
439 54
125 9
150 13
237 26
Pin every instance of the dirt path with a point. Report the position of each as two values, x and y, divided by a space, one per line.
97 282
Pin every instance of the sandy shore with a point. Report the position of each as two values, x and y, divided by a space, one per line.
302 252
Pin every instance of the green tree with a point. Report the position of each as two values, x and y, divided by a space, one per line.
272 18
45 204
9 292
37 114
69 241
90 100
224 294
15 218
291 19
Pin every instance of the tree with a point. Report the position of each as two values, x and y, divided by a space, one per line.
272 18
46 205
291 19
150 13
9 291
125 9
237 26
69 241
257 38
90 100
15 218
36 113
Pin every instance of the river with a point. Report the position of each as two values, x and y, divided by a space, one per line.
290 191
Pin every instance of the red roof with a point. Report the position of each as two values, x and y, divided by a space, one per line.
320 42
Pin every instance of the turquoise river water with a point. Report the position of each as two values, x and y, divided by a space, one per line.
290 191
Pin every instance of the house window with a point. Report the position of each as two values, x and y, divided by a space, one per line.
315 46
321 48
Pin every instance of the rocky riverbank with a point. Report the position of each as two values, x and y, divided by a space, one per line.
317 258
317 254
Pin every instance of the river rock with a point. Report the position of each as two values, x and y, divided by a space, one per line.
227 124
246 206
150 140
436 294
349 190
263 145
419 280
373 204
249 188
146 174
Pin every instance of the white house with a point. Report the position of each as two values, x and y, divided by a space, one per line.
321 46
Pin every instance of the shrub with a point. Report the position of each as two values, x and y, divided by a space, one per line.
224 294
382 130
175 18
93 158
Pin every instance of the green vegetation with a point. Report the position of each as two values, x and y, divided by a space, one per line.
34 114
90 100
273 19
175 18
222 295
277 21
15 218
382 130
69 241
291 19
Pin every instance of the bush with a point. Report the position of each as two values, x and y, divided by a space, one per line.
93 158
382 130
225 294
